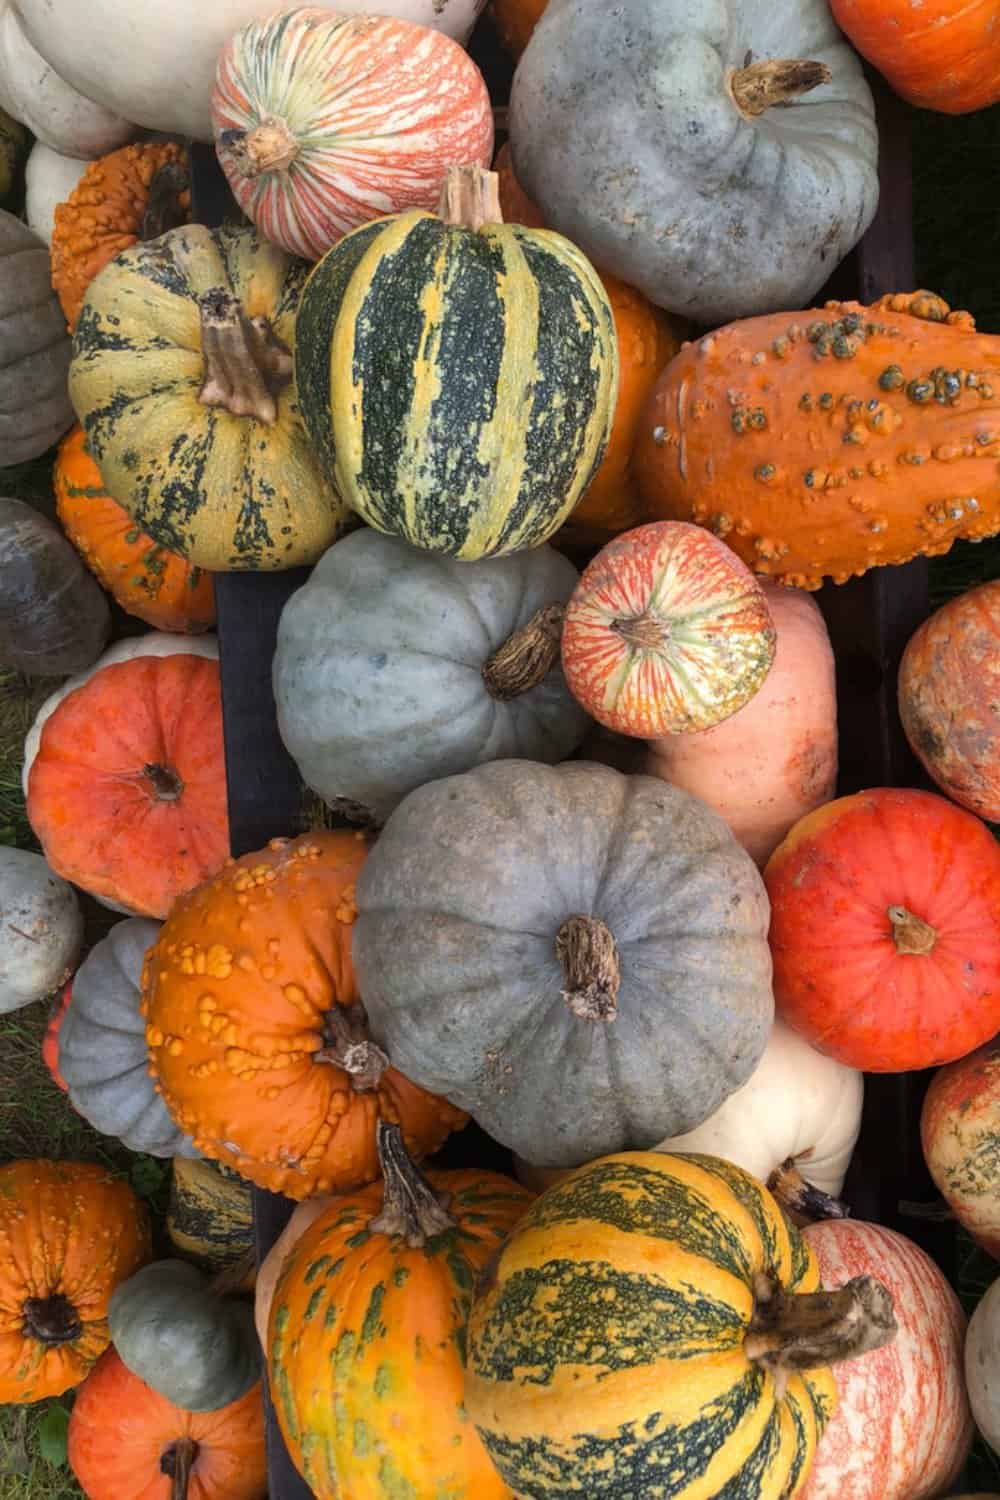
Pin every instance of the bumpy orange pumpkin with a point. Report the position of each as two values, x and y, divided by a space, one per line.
824 443
147 581
937 54
516 20
255 1030
70 1233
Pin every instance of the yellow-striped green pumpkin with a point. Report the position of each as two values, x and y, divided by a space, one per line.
605 1350
458 383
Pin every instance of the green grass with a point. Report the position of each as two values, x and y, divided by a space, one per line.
24 1473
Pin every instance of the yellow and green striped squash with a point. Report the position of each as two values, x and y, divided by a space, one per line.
605 1350
459 385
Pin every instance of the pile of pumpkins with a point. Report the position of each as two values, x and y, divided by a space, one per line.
590 884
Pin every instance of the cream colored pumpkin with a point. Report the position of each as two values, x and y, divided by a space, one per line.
982 1365
49 178
33 92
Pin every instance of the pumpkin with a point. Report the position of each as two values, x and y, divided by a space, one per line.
56 113
515 20
856 437
775 759
49 178
395 667
901 1430
601 938
71 1233
53 617
125 777
324 121
182 379
41 929
210 1216
720 185
145 579
666 632
125 1442
710 1374
470 457
959 1131
34 349
50 1037
135 193
376 1291
304 1214
885 930
939 56
256 1035
12 143
982 1365
949 698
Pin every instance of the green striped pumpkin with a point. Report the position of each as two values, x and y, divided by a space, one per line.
458 383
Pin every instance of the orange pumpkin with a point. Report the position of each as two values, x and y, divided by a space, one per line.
255 1030
937 54
70 1232
146 580
515 21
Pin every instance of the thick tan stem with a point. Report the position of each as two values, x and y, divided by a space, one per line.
411 1209
763 84
911 934
51 1320
470 197
166 784
800 1198
245 364
167 202
587 950
349 1047
799 1331
176 1462
269 147
526 657
645 631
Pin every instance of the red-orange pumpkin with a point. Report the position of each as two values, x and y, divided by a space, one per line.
937 54
50 1040
960 1134
516 20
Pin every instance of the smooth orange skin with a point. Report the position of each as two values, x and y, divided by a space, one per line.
515 20
959 1132
939 54
838 978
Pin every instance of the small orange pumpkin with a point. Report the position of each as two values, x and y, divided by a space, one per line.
515 20
936 54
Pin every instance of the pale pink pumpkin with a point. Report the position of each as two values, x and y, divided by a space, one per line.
902 1427
324 122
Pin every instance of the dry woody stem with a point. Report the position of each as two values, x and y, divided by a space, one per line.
268 147
470 198
526 657
800 1198
910 933
587 950
176 1463
411 1209
801 1331
761 85
350 1047
245 364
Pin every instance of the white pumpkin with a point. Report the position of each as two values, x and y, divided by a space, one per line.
49 178
41 929
982 1365
155 63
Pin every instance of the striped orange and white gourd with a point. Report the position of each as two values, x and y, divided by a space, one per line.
323 121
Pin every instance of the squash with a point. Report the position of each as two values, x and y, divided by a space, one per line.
949 698
775 759
856 437
49 178
53 617
902 1429
71 1232
256 1036
982 1365
394 667
57 114
210 1217
941 55
325 121
50 1037
182 379
41 929
666 632
600 937
469 457
709 1376
959 1127
885 930
144 578
135 193
124 1441
304 1214
515 20
12 145
720 184
370 1311
34 349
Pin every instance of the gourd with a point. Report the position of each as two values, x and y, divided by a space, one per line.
182 379
124 1439
885 930
34 349
49 178
324 121
189 1344
12 144
395 667
775 759
601 936
41 929
666 632
738 167
982 1362
56 113
377 1289
861 436
71 1233
902 1428
472 458
102 1046
257 1038
939 56
53 617
145 579
210 1216
699 1381
949 698
959 1127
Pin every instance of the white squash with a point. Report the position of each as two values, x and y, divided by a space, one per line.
982 1365
155 63
49 178
41 929
32 91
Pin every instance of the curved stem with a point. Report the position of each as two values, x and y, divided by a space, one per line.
165 205
800 1197
411 1209
526 657
799 1331
470 197
245 364
911 934
176 1462
644 631
349 1047
761 85
587 950
167 785
51 1320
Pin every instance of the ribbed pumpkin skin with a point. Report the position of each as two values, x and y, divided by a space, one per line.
939 55
34 349
459 386
960 1135
366 1350
605 1351
375 110
53 617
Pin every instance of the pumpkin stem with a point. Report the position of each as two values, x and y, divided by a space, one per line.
269 147
798 1331
167 785
527 656
587 950
644 631
51 1320
911 934
245 364
410 1206
177 1462
799 1197
470 198
763 84
349 1047
167 202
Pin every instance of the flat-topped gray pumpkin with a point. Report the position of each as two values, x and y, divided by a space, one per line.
34 348
54 618
576 957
